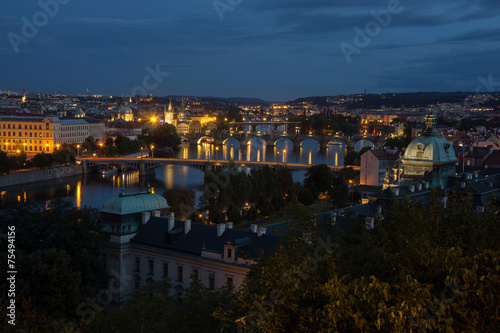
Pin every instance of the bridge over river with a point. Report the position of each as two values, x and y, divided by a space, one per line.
148 165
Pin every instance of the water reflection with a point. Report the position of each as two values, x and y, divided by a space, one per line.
93 189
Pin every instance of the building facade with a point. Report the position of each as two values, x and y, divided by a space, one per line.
376 164
145 245
34 135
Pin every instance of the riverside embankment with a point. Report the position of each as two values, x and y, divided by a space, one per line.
40 175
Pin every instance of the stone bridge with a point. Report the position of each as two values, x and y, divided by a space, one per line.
146 166
271 139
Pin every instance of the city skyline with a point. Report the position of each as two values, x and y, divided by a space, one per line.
271 50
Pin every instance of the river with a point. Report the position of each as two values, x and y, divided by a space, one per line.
93 190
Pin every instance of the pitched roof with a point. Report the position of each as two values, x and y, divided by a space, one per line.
201 236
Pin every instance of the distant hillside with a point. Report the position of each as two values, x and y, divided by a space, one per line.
395 100
235 100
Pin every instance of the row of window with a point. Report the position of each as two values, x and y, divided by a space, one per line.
74 128
71 135
31 134
28 148
180 273
21 141
19 126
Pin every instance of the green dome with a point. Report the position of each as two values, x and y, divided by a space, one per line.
134 203
430 146
125 110
430 153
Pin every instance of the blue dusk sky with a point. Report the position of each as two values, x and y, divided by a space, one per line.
276 50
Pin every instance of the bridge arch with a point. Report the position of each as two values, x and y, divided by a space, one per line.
285 140
205 139
309 139
231 141
254 140
360 144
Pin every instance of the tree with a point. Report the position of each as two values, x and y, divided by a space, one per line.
60 249
154 310
429 269
6 163
215 215
233 214
180 202
318 179
305 197
163 136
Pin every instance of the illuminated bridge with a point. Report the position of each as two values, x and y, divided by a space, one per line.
148 165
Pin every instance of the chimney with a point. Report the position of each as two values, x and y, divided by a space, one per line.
253 228
412 188
171 221
156 213
187 226
220 229
426 185
145 217
261 231
419 186
229 225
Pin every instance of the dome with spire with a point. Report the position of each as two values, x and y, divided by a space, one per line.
430 152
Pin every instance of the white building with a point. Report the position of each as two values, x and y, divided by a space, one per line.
144 245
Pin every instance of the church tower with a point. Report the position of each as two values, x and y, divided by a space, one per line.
182 113
169 114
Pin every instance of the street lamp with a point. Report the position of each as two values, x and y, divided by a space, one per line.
152 151
57 146
284 155
78 150
463 157
352 192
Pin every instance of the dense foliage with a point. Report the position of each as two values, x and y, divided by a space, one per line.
57 261
162 136
229 191
422 269
154 309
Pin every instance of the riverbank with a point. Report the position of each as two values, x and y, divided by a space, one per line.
40 175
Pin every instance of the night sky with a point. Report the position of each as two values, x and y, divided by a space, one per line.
277 50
